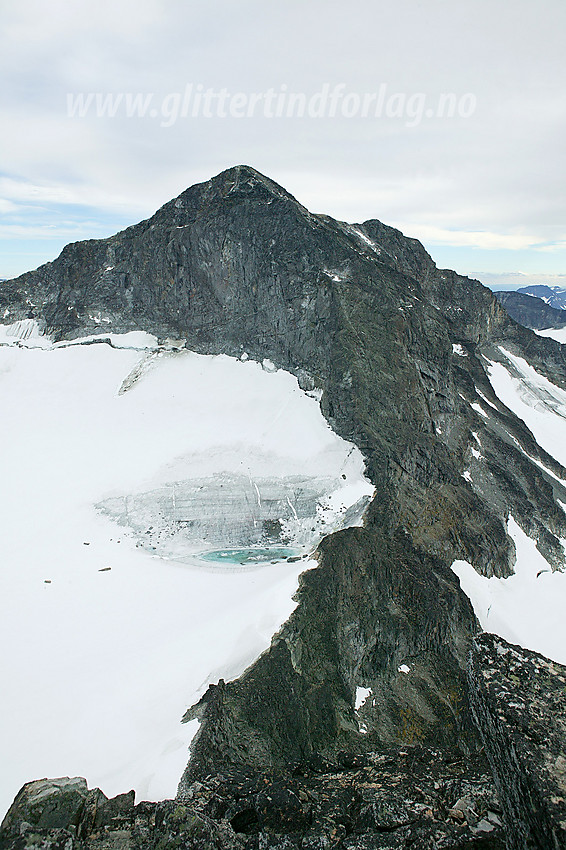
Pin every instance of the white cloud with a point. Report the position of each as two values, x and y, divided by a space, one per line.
555 247
492 181
475 239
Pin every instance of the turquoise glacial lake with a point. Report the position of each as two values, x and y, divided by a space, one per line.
248 556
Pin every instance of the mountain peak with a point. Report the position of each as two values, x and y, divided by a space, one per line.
241 175
240 183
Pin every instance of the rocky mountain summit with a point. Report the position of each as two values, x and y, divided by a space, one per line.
285 757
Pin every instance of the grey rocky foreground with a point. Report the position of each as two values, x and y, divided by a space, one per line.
409 798
396 798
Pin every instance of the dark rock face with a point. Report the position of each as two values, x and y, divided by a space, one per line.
398 347
395 799
361 614
519 703
530 311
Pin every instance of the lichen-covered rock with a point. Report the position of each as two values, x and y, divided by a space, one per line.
519 703
414 797
49 803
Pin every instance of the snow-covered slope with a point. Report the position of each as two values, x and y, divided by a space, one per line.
534 399
559 334
111 625
528 607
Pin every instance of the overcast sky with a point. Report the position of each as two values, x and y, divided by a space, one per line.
478 176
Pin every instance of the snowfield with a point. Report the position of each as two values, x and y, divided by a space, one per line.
112 625
534 399
528 607
559 334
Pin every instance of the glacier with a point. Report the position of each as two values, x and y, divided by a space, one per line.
158 507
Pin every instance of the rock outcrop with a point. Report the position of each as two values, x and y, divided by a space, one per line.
396 799
519 704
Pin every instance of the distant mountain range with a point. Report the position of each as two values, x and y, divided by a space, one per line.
554 296
532 310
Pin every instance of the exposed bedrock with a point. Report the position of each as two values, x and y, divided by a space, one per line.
393 800
519 704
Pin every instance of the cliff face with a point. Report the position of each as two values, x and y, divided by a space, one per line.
398 347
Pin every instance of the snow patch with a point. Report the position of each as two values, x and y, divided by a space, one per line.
475 406
98 318
457 349
333 276
361 696
369 242
528 607
403 668
558 334
134 340
487 401
534 399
